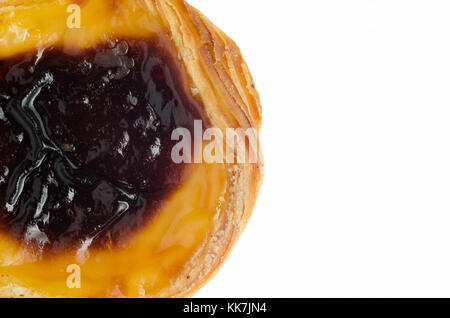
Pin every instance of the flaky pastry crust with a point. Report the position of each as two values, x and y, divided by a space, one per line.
217 70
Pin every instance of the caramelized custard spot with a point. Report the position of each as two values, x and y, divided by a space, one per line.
85 142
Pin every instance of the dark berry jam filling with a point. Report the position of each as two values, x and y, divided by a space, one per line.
85 142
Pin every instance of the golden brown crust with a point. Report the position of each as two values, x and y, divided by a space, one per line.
219 73
228 92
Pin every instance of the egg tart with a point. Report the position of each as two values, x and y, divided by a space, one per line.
110 182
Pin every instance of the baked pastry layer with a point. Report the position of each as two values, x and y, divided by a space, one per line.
192 231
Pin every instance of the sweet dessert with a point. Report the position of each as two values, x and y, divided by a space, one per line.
93 98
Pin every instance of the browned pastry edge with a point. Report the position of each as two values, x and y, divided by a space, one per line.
226 88
228 92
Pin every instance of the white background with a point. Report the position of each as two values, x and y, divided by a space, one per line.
356 101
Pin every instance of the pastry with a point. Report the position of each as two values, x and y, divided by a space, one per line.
113 179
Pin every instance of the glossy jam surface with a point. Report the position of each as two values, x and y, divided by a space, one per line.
85 142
